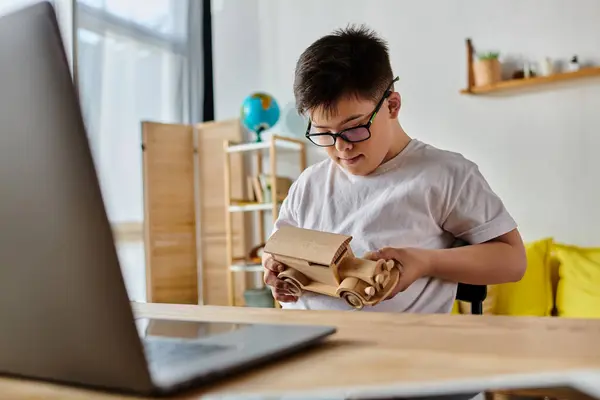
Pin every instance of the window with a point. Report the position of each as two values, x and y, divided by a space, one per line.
132 66
133 59
163 17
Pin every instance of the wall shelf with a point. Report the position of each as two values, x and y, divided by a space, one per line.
522 83
514 84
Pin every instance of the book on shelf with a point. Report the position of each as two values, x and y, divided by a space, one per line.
283 186
258 189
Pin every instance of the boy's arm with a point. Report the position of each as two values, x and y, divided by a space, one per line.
496 261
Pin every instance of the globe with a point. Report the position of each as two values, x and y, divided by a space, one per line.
259 112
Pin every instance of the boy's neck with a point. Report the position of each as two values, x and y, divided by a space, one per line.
399 141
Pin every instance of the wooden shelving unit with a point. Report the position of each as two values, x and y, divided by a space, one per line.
523 83
274 146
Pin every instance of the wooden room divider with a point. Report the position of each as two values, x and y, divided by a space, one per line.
184 222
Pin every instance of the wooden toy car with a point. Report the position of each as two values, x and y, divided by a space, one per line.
323 262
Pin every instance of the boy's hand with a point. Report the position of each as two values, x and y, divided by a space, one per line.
413 264
279 288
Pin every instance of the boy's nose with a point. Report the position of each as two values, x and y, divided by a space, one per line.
342 145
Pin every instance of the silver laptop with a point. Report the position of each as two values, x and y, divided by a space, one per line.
65 315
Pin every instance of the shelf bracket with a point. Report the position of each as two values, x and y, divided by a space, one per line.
470 75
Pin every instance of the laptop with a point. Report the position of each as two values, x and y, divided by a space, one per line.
65 315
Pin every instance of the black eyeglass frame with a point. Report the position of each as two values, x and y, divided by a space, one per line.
367 126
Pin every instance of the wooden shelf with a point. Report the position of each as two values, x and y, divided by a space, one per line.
280 142
529 82
251 207
243 267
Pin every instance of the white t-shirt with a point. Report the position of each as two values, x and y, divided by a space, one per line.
424 197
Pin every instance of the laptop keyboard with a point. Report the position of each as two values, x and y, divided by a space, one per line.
172 352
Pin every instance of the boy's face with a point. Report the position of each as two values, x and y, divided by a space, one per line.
359 158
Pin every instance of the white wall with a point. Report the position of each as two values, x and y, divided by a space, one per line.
538 149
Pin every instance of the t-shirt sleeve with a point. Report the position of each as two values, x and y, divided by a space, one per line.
476 214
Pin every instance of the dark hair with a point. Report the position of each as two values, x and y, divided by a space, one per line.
352 61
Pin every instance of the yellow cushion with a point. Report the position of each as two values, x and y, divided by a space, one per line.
578 291
455 308
533 294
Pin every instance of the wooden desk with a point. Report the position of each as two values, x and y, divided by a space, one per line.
387 354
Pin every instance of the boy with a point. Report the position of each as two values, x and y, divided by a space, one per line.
398 197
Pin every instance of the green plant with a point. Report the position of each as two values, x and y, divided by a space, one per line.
490 55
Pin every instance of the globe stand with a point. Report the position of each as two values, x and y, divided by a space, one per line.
258 133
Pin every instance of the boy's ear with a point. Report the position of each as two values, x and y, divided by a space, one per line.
394 102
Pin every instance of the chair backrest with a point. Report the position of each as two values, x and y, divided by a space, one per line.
473 294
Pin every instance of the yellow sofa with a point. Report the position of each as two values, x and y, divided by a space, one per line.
561 280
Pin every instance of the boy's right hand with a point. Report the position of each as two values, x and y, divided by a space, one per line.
279 289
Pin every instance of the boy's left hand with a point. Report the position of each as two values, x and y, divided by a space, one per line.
413 263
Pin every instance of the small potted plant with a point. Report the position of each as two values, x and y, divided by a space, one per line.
487 69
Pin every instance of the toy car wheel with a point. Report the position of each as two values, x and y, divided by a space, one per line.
352 299
295 288
295 280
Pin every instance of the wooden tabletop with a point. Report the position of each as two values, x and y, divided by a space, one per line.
380 353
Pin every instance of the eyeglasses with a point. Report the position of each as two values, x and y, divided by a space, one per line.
355 134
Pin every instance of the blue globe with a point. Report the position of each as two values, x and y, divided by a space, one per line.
259 112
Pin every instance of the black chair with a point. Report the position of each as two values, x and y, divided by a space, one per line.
473 294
